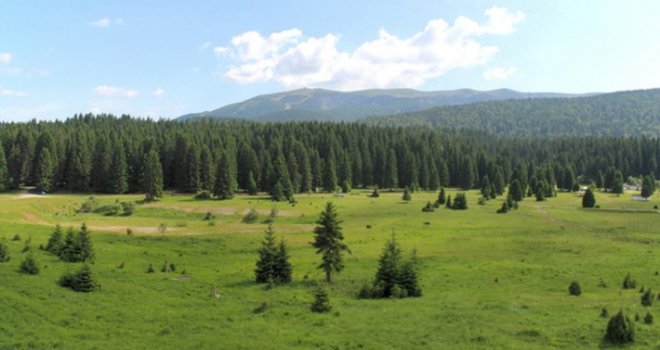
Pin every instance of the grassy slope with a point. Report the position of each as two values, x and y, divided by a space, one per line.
534 253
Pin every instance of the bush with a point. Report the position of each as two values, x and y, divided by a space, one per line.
128 208
504 209
321 302
406 195
151 269
648 319
261 308
620 329
482 201
428 207
629 282
109 209
88 205
16 237
604 313
574 289
647 298
29 266
208 216
203 195
81 281
129 231
251 217
375 193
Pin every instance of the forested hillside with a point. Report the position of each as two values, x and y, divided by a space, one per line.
119 155
630 113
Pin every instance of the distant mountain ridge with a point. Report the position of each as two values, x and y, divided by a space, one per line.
624 113
329 105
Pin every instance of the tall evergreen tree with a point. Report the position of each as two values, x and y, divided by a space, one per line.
588 199
329 174
118 170
391 176
45 173
617 183
515 191
328 241
5 181
223 186
153 176
648 187
266 265
251 185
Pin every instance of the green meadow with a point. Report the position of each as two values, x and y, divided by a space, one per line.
489 281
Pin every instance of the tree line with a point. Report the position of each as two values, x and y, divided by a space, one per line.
108 154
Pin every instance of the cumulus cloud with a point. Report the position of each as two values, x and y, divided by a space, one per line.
11 93
204 46
114 91
159 92
499 73
293 60
106 22
5 57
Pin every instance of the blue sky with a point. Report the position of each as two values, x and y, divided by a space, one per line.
166 58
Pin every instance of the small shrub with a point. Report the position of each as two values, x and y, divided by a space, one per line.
365 292
368 226
629 282
602 283
208 216
28 245
109 210
426 223
321 302
251 217
647 298
16 237
151 269
81 281
574 289
648 319
620 329
4 252
482 201
121 265
128 208
129 231
406 195
655 207
88 205
162 228
203 195
504 209
375 193
29 266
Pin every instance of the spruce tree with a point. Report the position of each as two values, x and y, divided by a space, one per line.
251 184
448 204
223 184
648 187
321 302
85 246
540 193
620 329
588 200
283 268
268 254
460 201
5 182
81 281
153 176
207 170
391 176
29 266
45 172
515 191
328 241
56 241
485 187
617 183
388 274
118 170
441 196
329 174
406 194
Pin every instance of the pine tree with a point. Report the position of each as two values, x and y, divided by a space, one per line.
101 165
4 251
391 176
617 183
515 191
460 202
409 279
45 171
5 182
85 246
207 170
540 193
223 185
468 176
441 196
251 184
329 174
406 194
620 329
80 166
448 204
283 268
321 302
29 266
328 241
81 281
648 187
266 265
153 176
56 241
485 187
118 170
588 200
388 274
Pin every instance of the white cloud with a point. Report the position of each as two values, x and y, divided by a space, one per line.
11 93
204 46
5 57
114 91
293 60
499 73
106 22
159 92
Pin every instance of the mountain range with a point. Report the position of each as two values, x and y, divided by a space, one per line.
329 105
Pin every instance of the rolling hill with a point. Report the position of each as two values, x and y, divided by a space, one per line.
328 105
627 113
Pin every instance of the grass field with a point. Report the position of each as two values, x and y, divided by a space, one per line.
490 281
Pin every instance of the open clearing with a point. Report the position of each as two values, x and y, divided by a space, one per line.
489 280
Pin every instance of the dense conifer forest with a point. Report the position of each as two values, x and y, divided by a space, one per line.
110 154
